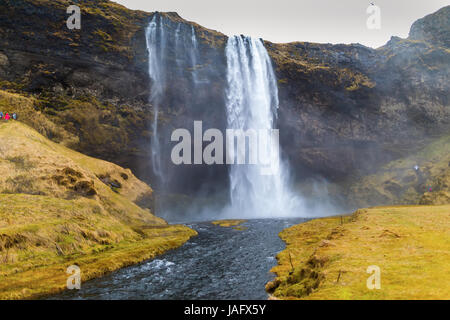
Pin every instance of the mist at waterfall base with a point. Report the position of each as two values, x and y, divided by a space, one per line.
249 101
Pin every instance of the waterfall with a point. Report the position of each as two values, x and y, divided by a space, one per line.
168 41
156 47
178 48
252 103
194 54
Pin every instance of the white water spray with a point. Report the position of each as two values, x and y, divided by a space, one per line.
156 47
159 38
194 54
252 103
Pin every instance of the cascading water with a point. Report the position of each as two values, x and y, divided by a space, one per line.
194 54
252 103
159 39
156 47
173 55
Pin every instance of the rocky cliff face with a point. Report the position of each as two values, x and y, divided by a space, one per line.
344 109
93 83
434 28
352 107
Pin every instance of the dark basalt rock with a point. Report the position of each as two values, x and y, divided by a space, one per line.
434 28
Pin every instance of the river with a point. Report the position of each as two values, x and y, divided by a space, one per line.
220 263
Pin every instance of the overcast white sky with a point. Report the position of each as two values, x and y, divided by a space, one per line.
333 21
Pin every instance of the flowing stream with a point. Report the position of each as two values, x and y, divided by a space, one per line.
220 263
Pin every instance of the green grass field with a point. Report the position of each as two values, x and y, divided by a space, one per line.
328 258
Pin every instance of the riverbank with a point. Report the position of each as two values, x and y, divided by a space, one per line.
60 208
328 258
218 264
46 275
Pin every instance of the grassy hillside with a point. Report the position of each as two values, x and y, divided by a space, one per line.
399 183
59 208
328 258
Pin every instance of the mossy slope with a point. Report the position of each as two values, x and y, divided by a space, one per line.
398 182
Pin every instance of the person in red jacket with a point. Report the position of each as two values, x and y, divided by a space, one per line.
7 116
